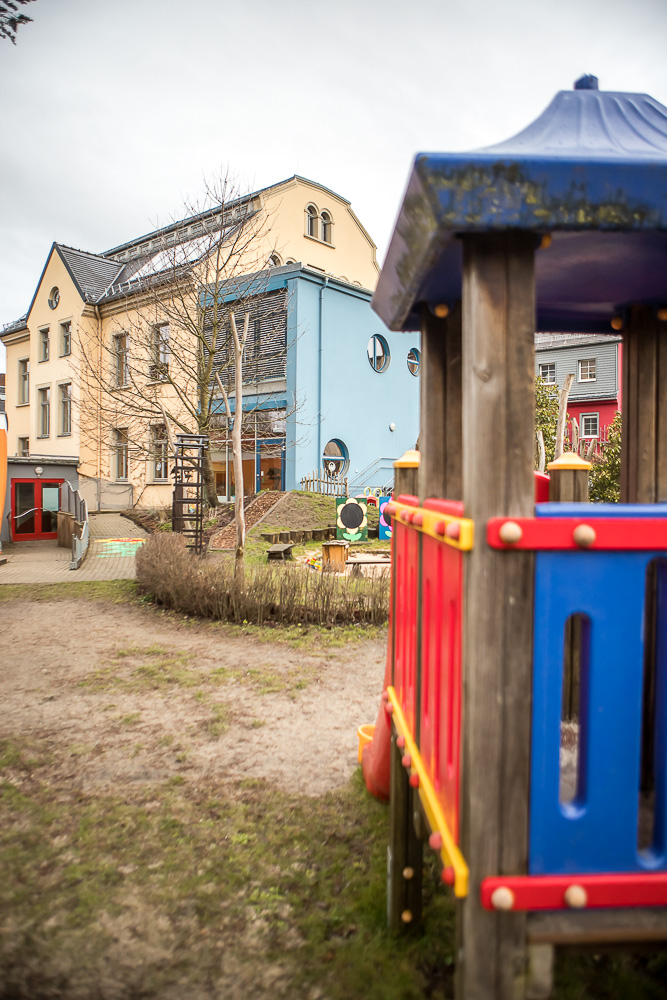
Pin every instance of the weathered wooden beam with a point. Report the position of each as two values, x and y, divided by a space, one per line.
498 434
440 415
405 855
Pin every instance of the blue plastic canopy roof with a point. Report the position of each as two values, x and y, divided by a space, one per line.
591 171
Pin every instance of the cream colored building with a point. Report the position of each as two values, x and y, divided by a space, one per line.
69 359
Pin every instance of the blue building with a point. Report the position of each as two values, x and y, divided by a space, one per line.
331 391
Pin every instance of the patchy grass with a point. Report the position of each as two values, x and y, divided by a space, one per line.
116 591
294 886
142 894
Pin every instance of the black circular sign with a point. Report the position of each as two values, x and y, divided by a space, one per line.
351 514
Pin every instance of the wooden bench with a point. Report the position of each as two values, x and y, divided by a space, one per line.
281 550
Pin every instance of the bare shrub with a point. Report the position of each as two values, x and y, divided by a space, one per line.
282 593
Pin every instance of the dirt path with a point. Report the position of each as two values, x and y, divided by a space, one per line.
125 696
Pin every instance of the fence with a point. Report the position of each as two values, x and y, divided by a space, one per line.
72 503
320 482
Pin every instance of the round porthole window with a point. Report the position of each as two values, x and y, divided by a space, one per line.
335 459
414 360
378 353
54 297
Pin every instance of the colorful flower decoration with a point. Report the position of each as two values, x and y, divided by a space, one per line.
351 520
385 525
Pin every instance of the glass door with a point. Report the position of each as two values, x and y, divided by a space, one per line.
35 509
271 464
24 510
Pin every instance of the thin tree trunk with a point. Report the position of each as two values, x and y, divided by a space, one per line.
562 416
542 461
575 436
239 516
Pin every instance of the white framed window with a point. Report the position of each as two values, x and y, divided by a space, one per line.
274 260
312 221
120 452
159 453
24 447
120 359
589 424
24 381
548 373
44 412
378 352
160 365
327 227
65 338
44 344
64 409
587 370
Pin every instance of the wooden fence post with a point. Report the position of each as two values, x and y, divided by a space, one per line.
568 478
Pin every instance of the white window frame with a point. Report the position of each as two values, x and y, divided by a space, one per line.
580 369
44 344
44 411
64 409
312 221
548 364
159 453
66 338
24 382
121 449
589 416
120 360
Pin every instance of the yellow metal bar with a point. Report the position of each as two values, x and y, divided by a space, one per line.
450 854
428 519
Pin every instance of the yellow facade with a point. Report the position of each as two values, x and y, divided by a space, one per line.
297 221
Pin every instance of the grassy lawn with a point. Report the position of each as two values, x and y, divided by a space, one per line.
194 888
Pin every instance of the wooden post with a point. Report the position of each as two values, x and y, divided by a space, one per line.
498 434
569 479
644 469
405 856
406 474
440 406
404 895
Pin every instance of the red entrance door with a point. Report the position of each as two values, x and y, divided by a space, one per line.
35 509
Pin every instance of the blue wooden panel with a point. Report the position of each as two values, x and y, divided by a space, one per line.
597 831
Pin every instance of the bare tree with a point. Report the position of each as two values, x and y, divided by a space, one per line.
11 20
168 352
169 340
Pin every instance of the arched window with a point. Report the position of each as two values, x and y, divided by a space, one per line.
414 360
312 219
274 260
335 459
327 227
378 353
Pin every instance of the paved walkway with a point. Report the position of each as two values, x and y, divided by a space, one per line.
113 544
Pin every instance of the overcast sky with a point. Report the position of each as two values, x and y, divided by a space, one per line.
112 111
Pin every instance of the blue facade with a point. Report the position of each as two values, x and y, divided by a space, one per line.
332 390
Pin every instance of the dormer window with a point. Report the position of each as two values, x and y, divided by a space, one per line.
327 227
312 220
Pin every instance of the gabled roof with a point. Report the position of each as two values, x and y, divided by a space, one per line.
92 274
591 172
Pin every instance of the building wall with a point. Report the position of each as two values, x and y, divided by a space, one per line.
330 326
350 256
24 419
566 358
25 469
